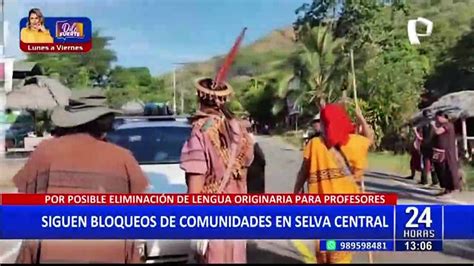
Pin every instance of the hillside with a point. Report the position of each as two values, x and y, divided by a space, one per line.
253 59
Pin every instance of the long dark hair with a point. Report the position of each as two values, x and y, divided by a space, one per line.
210 104
37 12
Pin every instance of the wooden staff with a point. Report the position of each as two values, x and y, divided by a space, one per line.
354 88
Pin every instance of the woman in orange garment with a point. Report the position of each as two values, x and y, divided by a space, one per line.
335 163
35 32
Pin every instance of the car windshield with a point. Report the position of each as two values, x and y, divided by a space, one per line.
152 145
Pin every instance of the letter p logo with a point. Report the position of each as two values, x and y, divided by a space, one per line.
411 27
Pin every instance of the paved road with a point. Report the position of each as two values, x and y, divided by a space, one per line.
8 248
282 165
283 162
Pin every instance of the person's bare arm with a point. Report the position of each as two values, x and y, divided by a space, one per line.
417 134
195 183
301 177
437 130
366 128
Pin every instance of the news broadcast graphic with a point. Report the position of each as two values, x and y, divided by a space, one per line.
418 226
419 245
357 245
197 222
364 222
57 35
193 199
463 216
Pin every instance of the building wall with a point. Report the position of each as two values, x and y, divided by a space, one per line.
6 78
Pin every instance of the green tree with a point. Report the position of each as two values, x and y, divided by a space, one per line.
95 64
121 77
315 14
259 98
318 69
389 72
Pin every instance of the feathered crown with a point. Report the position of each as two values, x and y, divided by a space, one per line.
219 89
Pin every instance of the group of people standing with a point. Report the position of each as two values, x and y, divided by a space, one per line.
217 158
220 156
434 153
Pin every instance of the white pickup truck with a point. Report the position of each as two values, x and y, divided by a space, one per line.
156 143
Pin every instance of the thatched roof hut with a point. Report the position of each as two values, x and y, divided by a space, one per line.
38 93
85 93
457 105
93 95
23 69
460 108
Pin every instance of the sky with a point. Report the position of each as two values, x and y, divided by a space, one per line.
159 33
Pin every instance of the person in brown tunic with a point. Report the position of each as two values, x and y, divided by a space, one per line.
207 160
217 155
444 153
78 160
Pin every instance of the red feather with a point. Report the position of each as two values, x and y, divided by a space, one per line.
222 73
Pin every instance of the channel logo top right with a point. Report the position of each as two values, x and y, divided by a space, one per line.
413 34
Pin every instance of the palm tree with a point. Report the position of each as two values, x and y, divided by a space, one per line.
314 74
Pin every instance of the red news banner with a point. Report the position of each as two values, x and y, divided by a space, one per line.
198 199
55 48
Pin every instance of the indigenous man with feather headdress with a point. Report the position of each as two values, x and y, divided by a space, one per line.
217 155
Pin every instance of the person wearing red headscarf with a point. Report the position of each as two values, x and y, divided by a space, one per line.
335 162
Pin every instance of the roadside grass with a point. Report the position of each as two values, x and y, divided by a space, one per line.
400 164
295 138
469 176
389 162
384 161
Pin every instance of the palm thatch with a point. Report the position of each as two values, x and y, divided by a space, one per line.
81 93
23 66
23 69
92 96
38 93
456 105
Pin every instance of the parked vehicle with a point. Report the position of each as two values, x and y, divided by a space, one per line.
15 132
156 143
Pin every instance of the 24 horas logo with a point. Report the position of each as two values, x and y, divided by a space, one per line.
41 34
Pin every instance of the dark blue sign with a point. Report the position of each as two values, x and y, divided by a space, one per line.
419 245
416 226
458 222
419 222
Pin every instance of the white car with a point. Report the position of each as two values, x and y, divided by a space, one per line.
156 143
